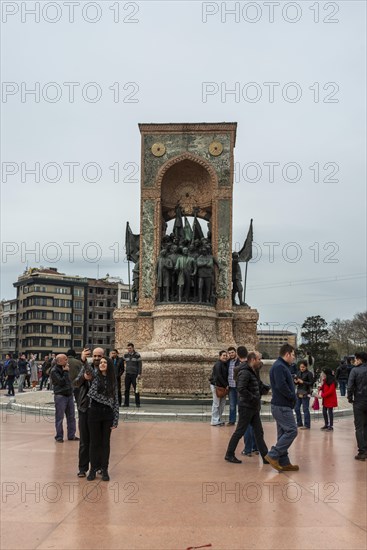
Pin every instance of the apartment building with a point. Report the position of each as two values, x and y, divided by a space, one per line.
51 313
57 312
270 341
8 321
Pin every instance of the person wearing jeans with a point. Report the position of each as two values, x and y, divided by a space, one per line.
219 377
232 394
63 398
329 399
341 376
304 383
282 404
22 366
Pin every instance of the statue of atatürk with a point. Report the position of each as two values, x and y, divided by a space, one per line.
186 269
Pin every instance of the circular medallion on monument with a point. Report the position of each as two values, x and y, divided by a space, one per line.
215 148
158 149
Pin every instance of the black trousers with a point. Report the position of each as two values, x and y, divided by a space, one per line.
119 395
131 379
247 416
360 423
84 441
328 414
11 378
100 420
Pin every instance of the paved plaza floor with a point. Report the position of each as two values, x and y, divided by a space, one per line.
170 488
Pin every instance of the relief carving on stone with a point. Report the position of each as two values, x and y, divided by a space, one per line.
147 259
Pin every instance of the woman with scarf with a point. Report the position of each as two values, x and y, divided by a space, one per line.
103 417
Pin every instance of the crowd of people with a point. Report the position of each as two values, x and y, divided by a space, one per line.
93 381
236 374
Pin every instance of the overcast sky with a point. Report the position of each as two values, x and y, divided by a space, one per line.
297 75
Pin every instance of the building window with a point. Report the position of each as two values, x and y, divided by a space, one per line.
78 330
78 292
90 303
78 305
100 316
100 304
77 343
62 290
78 317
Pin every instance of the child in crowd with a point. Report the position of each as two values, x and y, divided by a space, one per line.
329 399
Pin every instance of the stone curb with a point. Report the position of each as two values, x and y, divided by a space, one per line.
44 409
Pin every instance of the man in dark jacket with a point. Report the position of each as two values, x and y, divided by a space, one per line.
282 405
249 401
63 396
341 376
133 372
219 377
10 369
22 366
304 383
119 366
357 394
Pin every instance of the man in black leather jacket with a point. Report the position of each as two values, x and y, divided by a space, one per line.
357 394
249 400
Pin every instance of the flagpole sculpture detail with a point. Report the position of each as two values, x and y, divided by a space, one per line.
245 255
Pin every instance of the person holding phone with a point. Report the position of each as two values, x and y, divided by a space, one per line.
103 417
63 396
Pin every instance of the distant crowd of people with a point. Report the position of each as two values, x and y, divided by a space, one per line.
236 374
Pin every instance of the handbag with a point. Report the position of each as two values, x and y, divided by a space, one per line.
221 392
316 404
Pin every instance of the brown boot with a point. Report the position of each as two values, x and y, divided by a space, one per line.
290 468
274 463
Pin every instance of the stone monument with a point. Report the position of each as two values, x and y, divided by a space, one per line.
184 312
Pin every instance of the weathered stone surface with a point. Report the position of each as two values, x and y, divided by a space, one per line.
180 343
244 326
148 225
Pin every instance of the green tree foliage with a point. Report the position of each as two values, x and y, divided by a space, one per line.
317 341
